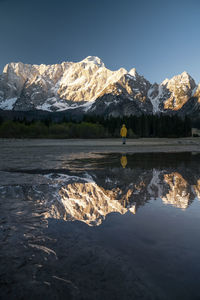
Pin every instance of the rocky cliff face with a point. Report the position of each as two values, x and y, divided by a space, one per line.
89 86
126 96
30 86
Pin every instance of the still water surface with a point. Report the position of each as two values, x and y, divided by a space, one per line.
100 226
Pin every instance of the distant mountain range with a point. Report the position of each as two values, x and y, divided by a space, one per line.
88 86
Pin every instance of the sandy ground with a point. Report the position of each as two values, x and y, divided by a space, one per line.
109 145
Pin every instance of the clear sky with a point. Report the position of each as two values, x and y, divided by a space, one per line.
159 38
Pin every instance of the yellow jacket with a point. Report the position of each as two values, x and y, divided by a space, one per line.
123 161
123 131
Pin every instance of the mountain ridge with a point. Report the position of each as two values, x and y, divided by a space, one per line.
88 86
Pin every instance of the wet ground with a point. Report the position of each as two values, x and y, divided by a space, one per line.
83 221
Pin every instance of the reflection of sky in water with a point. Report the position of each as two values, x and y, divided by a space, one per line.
155 231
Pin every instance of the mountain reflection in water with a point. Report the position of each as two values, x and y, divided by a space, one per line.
114 183
153 254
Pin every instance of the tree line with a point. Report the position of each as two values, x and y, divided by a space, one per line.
94 126
145 125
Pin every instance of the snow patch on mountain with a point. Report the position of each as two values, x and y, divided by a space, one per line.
8 104
155 100
53 103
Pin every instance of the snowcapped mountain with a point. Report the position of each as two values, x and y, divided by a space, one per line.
89 86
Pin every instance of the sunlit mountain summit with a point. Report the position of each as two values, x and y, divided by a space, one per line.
88 86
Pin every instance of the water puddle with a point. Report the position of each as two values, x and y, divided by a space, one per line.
93 226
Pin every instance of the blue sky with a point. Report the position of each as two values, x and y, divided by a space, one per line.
159 38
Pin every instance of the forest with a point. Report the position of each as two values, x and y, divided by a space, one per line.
93 126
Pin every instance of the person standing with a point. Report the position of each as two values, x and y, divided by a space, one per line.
123 133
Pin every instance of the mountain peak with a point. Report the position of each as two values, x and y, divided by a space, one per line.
164 82
94 59
184 73
183 78
133 72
